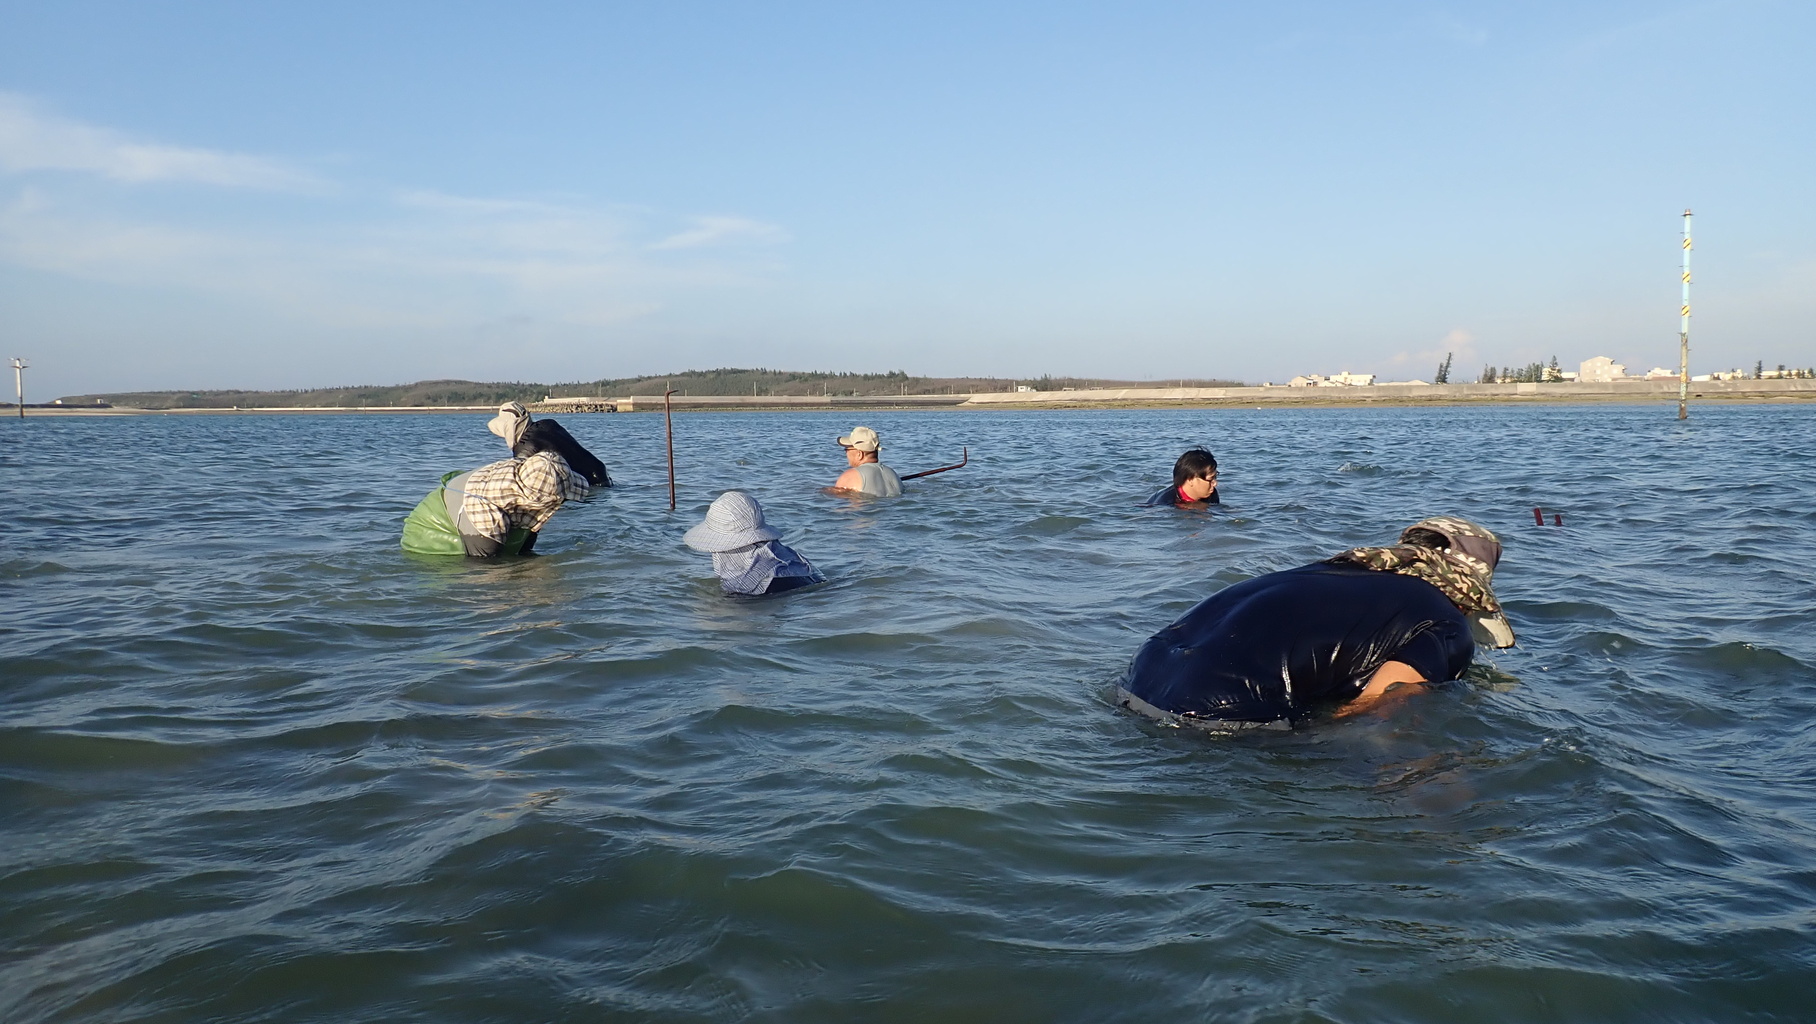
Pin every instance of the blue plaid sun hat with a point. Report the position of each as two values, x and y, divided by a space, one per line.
734 521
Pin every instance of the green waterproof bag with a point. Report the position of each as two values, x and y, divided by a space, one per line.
429 529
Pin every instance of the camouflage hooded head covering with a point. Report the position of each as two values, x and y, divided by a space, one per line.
1462 567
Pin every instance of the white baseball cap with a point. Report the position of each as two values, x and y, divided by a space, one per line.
862 438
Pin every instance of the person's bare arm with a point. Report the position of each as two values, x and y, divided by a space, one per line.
850 480
1388 676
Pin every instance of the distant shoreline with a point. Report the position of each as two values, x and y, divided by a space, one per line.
1413 395
11 410
1389 395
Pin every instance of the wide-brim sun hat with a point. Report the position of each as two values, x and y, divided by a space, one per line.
1478 548
863 439
733 521
510 423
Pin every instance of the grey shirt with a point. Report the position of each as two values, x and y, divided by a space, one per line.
879 480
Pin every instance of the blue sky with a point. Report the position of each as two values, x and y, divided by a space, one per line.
298 195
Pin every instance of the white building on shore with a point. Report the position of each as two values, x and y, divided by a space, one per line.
1345 379
1600 370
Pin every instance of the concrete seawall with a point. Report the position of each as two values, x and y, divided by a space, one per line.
1377 394
1413 394
1795 390
693 403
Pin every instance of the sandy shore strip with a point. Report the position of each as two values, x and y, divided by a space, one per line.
1567 392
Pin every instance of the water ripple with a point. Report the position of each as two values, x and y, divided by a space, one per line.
259 765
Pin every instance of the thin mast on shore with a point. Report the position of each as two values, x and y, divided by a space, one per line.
1683 333
19 366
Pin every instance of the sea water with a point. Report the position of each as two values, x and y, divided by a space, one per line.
258 764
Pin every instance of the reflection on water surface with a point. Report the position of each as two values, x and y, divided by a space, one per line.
258 764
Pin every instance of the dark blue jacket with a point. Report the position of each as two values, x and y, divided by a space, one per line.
1169 495
1279 646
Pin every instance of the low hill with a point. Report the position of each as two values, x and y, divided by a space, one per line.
726 381
428 392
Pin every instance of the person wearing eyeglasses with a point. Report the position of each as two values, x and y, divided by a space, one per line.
866 474
1194 482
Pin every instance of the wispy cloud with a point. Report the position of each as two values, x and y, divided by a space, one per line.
442 202
1459 345
261 259
33 140
323 252
423 259
714 231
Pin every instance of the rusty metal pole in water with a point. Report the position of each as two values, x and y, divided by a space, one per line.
668 420
19 366
1683 333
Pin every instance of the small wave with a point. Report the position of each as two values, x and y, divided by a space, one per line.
24 569
267 765
1051 526
1609 644
1746 659
1563 611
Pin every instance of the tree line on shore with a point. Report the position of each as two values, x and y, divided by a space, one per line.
725 381
1531 373
1545 373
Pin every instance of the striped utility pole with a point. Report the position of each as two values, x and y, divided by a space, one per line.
1683 333
19 366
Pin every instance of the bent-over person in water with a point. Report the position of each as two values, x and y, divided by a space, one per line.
509 495
1340 633
867 475
748 554
510 422
501 507
1194 482
526 436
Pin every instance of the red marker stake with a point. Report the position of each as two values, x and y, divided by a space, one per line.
1538 516
1557 519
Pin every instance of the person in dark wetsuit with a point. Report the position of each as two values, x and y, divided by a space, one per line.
1280 647
1194 482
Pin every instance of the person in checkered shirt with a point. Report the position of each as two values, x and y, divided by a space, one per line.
512 494
500 508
